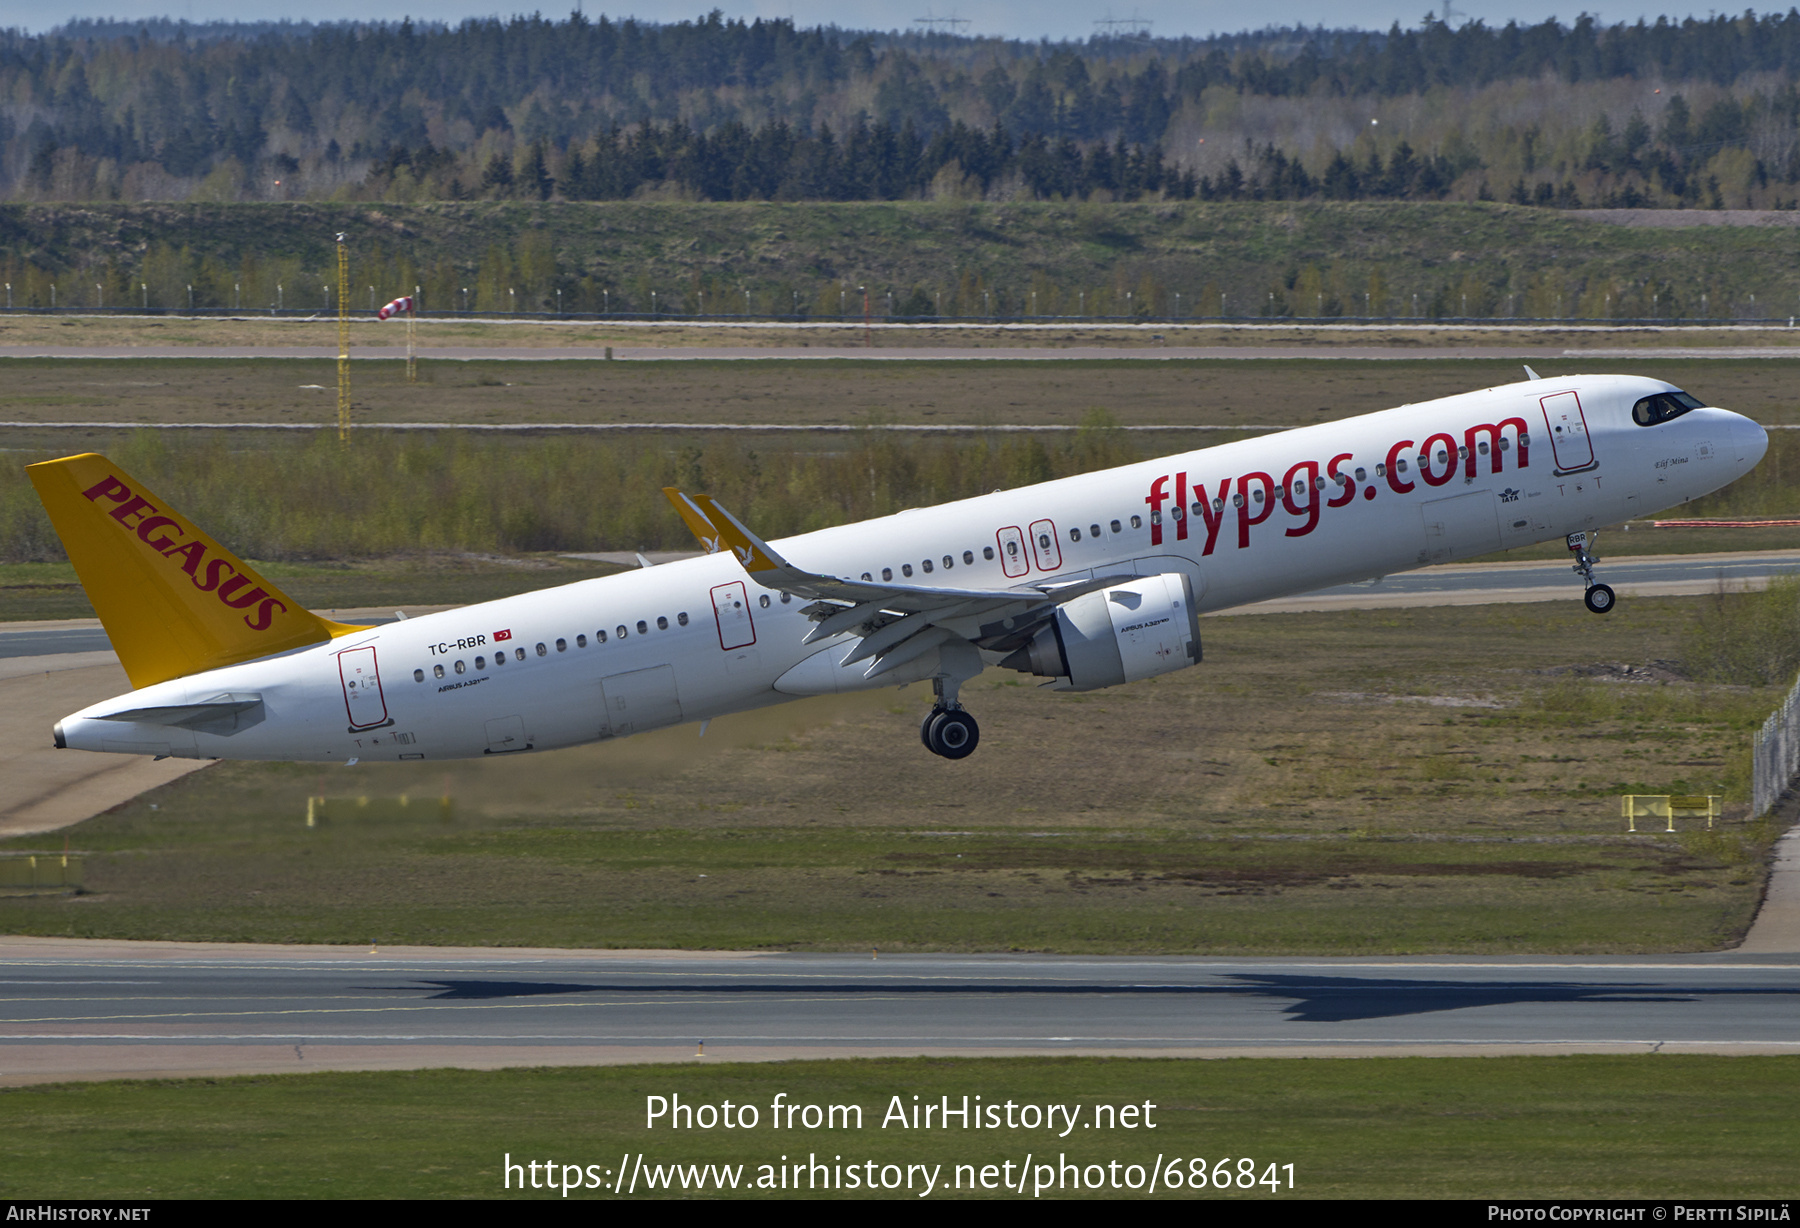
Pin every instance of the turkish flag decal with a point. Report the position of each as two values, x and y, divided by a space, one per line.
502 635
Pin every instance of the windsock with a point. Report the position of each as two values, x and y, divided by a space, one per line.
403 303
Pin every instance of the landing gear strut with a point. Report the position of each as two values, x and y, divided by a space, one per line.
1599 597
947 729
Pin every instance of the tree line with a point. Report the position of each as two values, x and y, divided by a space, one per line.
716 109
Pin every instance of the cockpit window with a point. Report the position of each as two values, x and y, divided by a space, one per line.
1662 407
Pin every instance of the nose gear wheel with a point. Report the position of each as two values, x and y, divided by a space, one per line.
1598 598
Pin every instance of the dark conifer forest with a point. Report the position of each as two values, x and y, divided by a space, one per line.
1699 113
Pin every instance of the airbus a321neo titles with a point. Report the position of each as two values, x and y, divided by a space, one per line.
1089 581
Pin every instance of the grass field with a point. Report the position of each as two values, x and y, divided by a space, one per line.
675 333
834 392
1565 1128
1264 256
1399 781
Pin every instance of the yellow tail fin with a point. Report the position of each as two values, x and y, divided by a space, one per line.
173 601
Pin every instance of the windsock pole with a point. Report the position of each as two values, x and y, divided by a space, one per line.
343 261
412 322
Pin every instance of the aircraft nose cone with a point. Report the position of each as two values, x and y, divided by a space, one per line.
1752 442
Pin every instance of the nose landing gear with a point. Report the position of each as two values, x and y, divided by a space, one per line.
1599 598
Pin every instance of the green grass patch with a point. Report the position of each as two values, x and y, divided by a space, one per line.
1563 1127
1356 782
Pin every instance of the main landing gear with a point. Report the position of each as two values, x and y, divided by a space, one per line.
1599 598
950 732
947 729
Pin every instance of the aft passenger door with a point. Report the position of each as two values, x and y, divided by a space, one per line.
362 689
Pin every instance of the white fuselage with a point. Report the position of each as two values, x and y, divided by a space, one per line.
692 640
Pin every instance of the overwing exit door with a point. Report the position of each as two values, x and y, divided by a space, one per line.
731 610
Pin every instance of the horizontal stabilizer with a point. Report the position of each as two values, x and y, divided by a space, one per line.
224 714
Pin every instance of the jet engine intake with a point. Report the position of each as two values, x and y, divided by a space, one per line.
1116 635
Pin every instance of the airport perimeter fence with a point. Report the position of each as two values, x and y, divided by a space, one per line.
1141 319
1776 758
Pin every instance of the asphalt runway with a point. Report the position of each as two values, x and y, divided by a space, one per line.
75 1009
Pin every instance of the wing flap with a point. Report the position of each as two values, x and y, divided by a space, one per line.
895 623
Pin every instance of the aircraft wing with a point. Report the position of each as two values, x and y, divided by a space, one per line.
895 623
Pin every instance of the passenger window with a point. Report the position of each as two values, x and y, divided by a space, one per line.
1075 535
461 668
968 557
1402 465
562 645
987 552
599 637
619 631
1380 470
927 566
763 601
518 654
418 675
1361 474
1093 530
1012 549
1481 447
437 671
499 658
643 627
1115 526
1137 522
662 621
786 598
887 573
906 570
542 651
682 617
949 562
581 641
867 576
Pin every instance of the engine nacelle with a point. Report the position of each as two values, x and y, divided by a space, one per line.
1116 635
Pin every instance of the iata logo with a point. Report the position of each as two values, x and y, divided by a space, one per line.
163 534
1509 495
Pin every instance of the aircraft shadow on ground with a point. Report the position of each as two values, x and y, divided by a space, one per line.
1309 999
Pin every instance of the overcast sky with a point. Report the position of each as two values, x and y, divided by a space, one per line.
1055 19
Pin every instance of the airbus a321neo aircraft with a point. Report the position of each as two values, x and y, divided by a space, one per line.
1089 581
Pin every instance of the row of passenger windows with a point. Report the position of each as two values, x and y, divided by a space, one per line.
622 631
987 552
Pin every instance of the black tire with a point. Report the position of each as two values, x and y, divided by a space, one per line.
925 728
954 735
1599 599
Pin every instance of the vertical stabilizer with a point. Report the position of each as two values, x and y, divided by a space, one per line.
173 601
